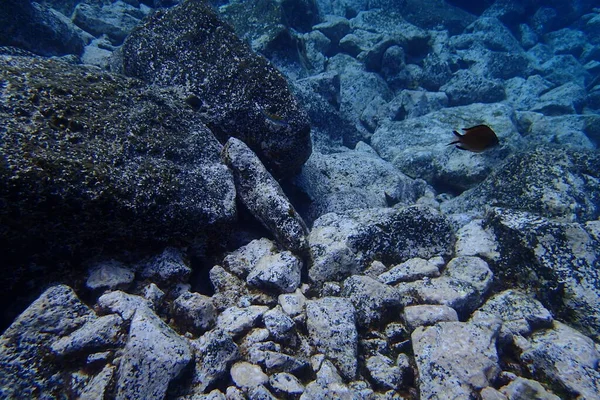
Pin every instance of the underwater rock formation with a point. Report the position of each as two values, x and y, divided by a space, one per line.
93 160
236 92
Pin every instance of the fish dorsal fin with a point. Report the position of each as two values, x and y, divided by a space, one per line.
474 127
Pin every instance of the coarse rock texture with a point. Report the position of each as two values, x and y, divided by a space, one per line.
551 182
331 324
354 179
419 146
565 357
560 261
345 244
25 369
154 355
456 358
264 198
235 92
93 160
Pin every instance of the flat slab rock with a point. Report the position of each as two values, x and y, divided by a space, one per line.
456 358
345 244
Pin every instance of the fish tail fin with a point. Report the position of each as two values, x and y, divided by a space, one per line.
451 143
457 134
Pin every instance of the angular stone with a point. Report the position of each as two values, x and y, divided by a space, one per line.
215 352
97 335
279 324
194 312
331 325
410 270
202 56
235 320
345 244
286 384
246 375
383 372
153 356
371 299
280 272
565 357
263 196
425 315
109 275
169 266
25 369
455 358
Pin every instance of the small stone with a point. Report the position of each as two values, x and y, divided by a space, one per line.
246 375
384 373
153 294
424 315
410 270
215 351
522 388
170 266
280 272
286 384
235 320
109 275
292 303
332 328
279 324
95 335
194 312
243 260
371 298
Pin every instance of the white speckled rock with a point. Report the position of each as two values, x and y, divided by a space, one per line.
520 313
410 270
109 275
97 387
286 384
475 240
235 320
263 196
25 345
279 324
169 266
279 272
522 388
153 356
371 298
565 357
384 373
293 303
194 312
215 351
122 303
243 260
455 358
95 335
425 315
246 375
331 325
345 244
461 286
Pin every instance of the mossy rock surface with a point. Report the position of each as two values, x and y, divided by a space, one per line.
236 92
91 159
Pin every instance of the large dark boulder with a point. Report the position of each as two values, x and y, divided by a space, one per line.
236 92
90 160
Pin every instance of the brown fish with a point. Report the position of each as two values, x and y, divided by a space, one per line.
477 138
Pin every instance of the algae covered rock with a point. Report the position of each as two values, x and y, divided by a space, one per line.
235 92
94 159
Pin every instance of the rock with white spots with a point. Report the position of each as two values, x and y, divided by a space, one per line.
425 315
279 272
456 358
332 328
